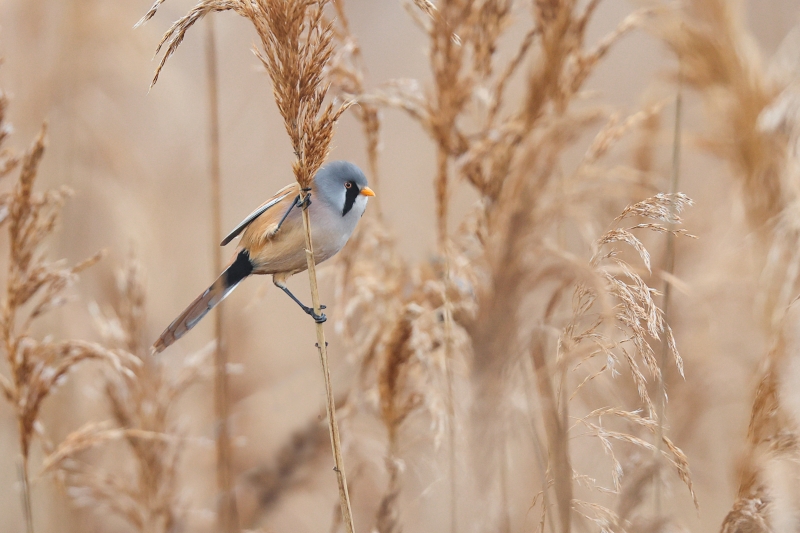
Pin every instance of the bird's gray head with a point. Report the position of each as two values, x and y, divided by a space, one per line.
343 186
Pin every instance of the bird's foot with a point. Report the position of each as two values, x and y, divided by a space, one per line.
319 319
305 202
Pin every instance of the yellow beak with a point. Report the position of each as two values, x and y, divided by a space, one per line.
366 191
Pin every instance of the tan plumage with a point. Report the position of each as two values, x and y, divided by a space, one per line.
288 191
282 252
273 240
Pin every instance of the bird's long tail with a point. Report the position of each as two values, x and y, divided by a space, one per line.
239 269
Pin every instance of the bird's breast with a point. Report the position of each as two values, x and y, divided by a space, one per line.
329 232
285 250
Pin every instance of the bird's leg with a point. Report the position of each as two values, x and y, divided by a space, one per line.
309 310
295 203
302 204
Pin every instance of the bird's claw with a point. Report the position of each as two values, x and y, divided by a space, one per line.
319 319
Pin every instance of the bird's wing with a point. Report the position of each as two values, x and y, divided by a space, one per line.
280 195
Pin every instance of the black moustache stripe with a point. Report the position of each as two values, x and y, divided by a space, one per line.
350 199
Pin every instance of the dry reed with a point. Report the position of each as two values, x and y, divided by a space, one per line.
531 339
754 129
228 514
463 37
34 287
140 399
493 275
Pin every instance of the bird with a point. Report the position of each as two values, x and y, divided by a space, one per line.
273 239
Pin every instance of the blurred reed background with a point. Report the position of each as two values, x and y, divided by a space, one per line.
495 344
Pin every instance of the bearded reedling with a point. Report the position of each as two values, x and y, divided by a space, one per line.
273 239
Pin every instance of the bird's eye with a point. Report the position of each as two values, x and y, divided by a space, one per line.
348 185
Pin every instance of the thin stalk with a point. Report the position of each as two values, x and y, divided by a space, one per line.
7 324
227 513
505 524
563 468
527 372
330 405
448 361
556 430
26 493
451 410
442 197
669 267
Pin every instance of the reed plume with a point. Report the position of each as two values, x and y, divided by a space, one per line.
139 399
508 153
754 129
34 287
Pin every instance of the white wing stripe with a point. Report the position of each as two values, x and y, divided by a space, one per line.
251 217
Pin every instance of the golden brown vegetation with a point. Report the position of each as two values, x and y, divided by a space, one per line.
515 379
139 399
35 286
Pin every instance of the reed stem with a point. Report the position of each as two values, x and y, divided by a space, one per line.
330 405
669 268
451 409
556 430
26 493
227 513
